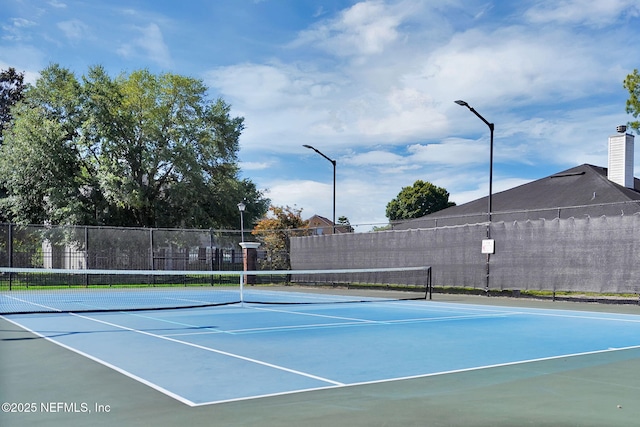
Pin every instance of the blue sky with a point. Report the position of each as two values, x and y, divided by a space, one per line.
371 84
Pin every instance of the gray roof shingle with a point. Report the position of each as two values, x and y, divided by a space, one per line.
576 192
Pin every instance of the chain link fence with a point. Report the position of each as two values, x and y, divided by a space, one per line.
124 248
113 248
583 254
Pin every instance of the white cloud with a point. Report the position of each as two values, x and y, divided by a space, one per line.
17 30
254 166
26 58
305 104
375 157
366 28
57 4
310 195
403 114
453 152
317 198
514 65
596 13
284 104
22 23
401 101
269 86
150 44
74 29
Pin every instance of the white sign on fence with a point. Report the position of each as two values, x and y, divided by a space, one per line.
488 246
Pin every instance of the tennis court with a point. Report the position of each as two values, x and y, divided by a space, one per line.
451 361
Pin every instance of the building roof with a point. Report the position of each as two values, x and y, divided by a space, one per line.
576 192
320 222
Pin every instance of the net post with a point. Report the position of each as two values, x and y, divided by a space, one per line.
86 254
242 289
10 253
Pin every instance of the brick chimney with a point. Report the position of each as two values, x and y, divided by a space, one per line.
620 169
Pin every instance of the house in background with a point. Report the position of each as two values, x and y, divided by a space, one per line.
321 225
582 191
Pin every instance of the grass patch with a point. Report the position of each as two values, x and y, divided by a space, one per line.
607 297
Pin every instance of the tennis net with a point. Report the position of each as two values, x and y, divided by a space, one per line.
37 290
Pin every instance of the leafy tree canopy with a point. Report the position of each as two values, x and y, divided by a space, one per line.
136 150
274 231
422 198
11 87
632 84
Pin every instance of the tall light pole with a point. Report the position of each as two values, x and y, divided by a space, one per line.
490 248
491 127
333 162
241 208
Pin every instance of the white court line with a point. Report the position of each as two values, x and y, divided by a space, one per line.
211 331
55 310
436 374
367 324
334 385
208 329
107 364
270 329
154 386
455 307
585 317
213 350
340 385
351 322
303 313
548 312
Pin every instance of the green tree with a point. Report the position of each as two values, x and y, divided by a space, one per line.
422 198
11 88
382 227
274 232
344 224
137 150
632 84
39 166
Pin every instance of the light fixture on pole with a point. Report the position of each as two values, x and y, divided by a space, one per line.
241 208
333 162
487 245
491 127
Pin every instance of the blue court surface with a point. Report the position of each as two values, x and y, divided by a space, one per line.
219 354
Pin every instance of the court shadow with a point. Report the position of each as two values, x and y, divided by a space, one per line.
26 335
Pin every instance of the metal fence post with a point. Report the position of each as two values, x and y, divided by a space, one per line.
10 248
151 260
